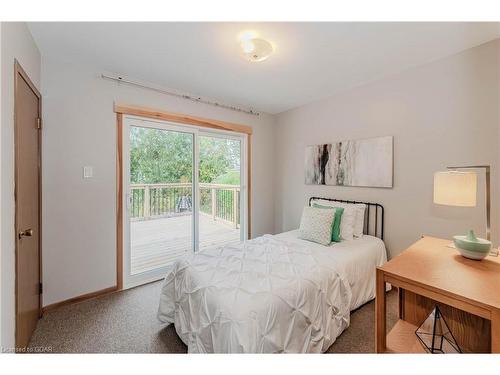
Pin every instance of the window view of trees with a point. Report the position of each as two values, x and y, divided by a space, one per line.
159 156
166 157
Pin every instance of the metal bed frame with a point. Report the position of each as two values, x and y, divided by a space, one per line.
376 212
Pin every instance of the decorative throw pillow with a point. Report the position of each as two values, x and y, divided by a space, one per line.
360 219
336 221
347 223
316 225
348 217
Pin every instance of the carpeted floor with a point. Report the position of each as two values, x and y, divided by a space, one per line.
125 322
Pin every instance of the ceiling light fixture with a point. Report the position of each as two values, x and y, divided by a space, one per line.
255 49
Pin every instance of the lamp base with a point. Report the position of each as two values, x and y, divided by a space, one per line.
493 252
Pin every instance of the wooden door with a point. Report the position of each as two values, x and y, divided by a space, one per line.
28 207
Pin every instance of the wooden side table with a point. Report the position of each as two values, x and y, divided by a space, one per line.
430 273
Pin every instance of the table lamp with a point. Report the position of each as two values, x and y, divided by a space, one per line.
459 188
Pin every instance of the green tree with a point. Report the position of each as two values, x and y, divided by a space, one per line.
159 156
229 178
217 157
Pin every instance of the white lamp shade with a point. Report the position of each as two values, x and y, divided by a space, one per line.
454 188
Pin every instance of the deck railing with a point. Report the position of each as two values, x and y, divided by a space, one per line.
151 201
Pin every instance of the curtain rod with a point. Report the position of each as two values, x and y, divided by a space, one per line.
197 99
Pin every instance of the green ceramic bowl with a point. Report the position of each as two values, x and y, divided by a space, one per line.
471 247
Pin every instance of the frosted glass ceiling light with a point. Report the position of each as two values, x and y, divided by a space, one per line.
256 49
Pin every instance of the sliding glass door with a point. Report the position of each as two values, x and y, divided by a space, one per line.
219 190
184 192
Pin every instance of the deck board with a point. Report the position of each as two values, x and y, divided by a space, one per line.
158 242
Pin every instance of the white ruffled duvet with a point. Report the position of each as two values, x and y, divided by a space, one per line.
267 295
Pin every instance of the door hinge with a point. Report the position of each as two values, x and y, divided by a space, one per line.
40 288
38 123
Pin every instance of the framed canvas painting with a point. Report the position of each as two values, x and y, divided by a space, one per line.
363 162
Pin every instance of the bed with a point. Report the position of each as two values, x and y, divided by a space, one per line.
272 294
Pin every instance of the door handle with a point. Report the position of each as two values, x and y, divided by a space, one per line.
128 200
25 233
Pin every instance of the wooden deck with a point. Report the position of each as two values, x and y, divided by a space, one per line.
158 242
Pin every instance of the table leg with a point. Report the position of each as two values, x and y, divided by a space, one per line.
380 307
495 331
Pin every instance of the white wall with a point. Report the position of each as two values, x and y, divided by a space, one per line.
16 43
79 246
444 113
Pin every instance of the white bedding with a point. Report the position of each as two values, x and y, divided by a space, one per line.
358 258
271 294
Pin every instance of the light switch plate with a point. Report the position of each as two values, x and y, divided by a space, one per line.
88 172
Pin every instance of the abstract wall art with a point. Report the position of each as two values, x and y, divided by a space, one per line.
364 162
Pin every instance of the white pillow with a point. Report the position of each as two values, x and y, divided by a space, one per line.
360 219
316 225
347 222
353 218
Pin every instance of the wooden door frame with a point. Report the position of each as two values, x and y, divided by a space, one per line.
19 73
124 109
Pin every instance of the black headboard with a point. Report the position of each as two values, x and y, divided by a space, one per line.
374 211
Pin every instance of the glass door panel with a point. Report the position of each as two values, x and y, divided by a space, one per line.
219 190
184 191
160 200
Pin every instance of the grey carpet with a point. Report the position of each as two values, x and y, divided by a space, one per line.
125 322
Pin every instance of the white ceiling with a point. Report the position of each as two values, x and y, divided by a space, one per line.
311 60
